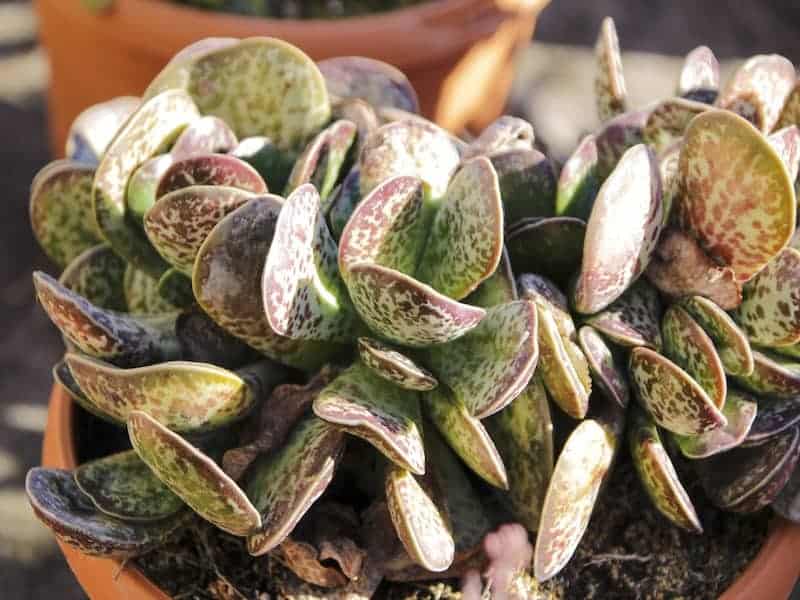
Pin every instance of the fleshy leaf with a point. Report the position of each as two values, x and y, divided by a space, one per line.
141 294
547 296
61 210
140 195
467 436
383 414
211 169
658 475
671 396
731 342
669 168
579 181
606 371
176 288
59 503
622 231
273 164
499 288
503 134
787 502
786 142
202 340
741 221
379 83
690 347
668 121
122 486
773 375
633 319
578 474
699 78
93 129
609 83
202 136
97 274
617 136
393 366
552 247
285 484
740 411
489 366
775 416
343 203
361 114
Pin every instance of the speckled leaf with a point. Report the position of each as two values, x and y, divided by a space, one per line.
607 373
411 147
489 366
140 194
211 169
746 479
616 137
770 311
581 468
499 288
122 486
344 200
670 395
609 82
97 274
258 86
466 435
741 221
148 132
690 347
272 163
176 72
775 415
668 121
63 377
116 337
633 319
528 181
359 112
787 502
547 296
192 476
284 484
740 411
141 294
93 129
773 375
59 504
393 366
699 78
658 475
731 342
758 89
419 522
503 134
204 135
790 112
61 210
786 142
386 416
669 168
377 82
175 288
466 238
552 247
202 340
579 181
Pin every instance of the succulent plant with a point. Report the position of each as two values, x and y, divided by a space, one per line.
364 365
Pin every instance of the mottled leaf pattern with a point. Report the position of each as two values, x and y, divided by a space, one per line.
740 411
774 416
140 195
141 294
498 288
393 366
378 83
202 136
633 319
210 169
731 342
617 136
527 180
609 83
606 370
773 375
786 142
668 121
98 275
579 181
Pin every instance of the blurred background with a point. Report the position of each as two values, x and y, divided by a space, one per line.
553 88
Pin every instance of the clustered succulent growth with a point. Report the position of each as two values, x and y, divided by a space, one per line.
396 325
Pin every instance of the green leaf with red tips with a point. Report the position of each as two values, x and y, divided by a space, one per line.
116 337
93 129
205 135
140 194
668 121
498 288
377 82
758 90
773 375
122 486
303 293
390 364
674 400
552 247
192 476
579 181
746 479
61 210
741 221
633 319
465 242
786 142
284 484
770 311
604 366
210 169
740 411
489 366
466 435
59 504
609 82
141 294
501 135
658 475
699 78
97 274
732 344
386 416
690 347
419 521
344 200
579 472
622 231
616 137
775 415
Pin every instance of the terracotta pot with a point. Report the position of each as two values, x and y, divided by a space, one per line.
770 576
457 53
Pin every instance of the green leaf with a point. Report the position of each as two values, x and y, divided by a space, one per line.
579 181
390 364
97 274
210 170
142 295
633 319
498 288
604 366
203 136
786 142
343 202
272 163
140 195
552 247
740 411
609 83
668 120
503 134
772 375
774 416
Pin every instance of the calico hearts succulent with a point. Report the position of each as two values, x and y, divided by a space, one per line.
356 374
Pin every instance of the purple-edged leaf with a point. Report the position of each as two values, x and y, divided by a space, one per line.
192 476
609 82
758 90
699 78
140 194
579 181
690 347
670 395
466 238
97 274
202 340
606 371
787 502
211 169
773 375
775 415
616 137
391 365
272 163
658 475
61 210
668 120
786 142
359 112
741 221
503 134
93 129
176 72
547 296
579 472
489 366
552 247
284 484
622 231
499 288
377 82
466 435
63 377
528 181
633 319
746 479
141 294
344 200
116 337
405 311
59 504
731 342
386 416
203 136
740 411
